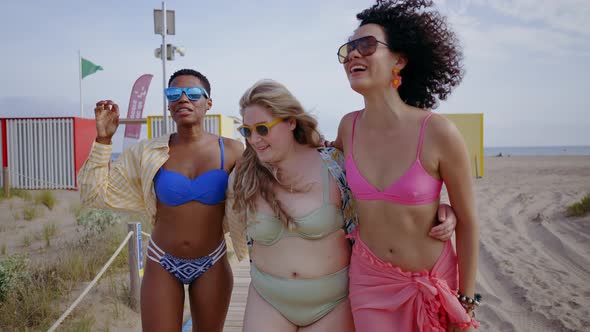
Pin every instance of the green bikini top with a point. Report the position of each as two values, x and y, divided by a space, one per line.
323 221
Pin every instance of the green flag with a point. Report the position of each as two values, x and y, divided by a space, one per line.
89 68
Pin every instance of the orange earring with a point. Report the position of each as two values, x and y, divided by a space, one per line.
396 81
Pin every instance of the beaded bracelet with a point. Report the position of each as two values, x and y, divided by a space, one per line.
469 303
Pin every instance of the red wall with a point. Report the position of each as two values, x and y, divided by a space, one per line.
84 135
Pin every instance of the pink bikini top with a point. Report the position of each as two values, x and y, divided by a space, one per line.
415 187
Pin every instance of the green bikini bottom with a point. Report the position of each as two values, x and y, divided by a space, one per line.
302 301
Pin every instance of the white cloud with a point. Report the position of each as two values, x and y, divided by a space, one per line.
490 39
567 15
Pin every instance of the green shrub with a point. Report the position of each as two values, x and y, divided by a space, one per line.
13 272
97 221
46 198
580 208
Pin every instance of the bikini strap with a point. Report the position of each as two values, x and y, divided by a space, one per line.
222 151
352 135
326 181
422 135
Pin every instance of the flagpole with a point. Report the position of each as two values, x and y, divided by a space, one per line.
80 81
164 56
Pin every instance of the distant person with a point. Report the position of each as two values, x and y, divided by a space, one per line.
288 195
402 59
179 180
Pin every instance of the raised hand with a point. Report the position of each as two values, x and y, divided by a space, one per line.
106 113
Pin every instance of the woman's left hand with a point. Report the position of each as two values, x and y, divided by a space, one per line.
448 222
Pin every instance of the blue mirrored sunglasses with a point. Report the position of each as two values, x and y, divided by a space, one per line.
193 93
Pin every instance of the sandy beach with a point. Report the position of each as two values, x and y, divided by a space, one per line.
534 269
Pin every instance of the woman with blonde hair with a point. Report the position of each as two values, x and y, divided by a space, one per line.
289 195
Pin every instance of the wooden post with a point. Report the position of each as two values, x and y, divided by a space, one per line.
135 264
6 182
476 168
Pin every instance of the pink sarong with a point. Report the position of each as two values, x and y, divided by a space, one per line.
385 298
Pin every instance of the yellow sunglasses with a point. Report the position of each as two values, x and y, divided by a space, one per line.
262 129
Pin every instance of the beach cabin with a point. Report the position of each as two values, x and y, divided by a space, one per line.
47 153
471 127
44 153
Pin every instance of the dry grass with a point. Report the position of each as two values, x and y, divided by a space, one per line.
32 299
46 198
24 194
82 324
76 208
15 214
27 240
49 231
579 209
31 212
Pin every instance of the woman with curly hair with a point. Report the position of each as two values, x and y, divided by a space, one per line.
403 59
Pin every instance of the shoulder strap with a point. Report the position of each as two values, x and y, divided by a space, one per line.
326 181
222 151
422 135
352 134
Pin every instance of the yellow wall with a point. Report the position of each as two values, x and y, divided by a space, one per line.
227 126
471 127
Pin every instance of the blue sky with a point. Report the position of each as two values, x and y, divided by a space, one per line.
527 61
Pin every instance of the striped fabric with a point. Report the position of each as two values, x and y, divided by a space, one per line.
127 185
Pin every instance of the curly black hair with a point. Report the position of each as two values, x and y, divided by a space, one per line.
423 37
194 73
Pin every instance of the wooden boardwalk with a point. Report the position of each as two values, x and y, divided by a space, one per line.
235 314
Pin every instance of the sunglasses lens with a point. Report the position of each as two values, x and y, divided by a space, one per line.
262 130
367 45
194 93
173 94
345 51
245 132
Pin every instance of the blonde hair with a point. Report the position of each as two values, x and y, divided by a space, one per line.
254 178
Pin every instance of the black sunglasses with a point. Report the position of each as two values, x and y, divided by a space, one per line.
364 45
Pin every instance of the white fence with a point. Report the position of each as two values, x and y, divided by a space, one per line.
41 153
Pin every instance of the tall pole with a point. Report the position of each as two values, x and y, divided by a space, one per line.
80 81
135 264
163 54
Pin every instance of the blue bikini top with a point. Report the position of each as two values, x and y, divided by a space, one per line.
174 189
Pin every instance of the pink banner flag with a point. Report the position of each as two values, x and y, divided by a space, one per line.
136 102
